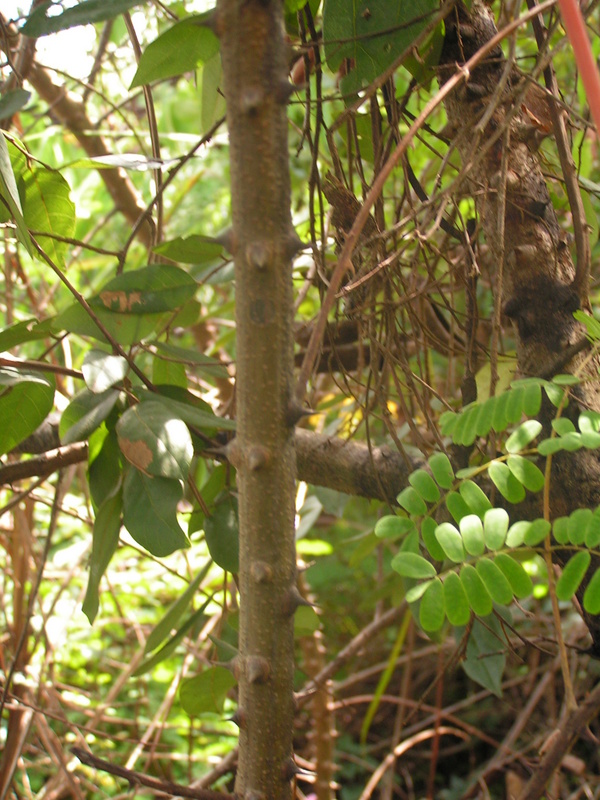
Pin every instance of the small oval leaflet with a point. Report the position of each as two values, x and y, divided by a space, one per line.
432 610
412 565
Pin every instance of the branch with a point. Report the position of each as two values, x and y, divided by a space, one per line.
565 736
167 787
379 473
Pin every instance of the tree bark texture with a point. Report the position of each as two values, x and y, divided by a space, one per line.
256 90
498 139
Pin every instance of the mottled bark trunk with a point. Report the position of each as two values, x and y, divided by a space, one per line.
254 69
498 136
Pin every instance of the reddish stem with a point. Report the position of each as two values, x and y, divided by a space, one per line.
575 27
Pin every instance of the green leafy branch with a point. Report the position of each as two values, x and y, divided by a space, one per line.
480 554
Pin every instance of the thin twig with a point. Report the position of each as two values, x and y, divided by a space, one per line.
133 778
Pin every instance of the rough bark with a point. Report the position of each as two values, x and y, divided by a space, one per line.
534 269
254 60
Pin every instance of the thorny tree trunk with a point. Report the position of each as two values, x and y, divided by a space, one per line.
263 242
534 272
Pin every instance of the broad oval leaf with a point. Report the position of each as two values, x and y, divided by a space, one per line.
155 441
517 577
526 472
471 529
25 402
105 538
147 290
102 370
222 533
517 532
495 581
206 693
572 575
457 605
38 23
48 209
179 49
577 524
424 484
457 506
506 483
86 412
432 610
451 542
523 435
428 527
412 565
474 497
495 527
478 596
150 512
537 532
442 471
412 502
393 527
591 596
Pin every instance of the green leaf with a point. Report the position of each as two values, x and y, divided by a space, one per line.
555 394
448 422
517 532
194 623
590 439
102 370
560 529
25 331
155 441
391 527
48 209
566 380
548 447
432 611
517 577
592 533
526 472
175 611
457 606
26 399
471 529
577 525
150 512
147 290
495 526
424 484
500 419
86 412
13 101
193 249
212 101
562 425
428 526
589 421
494 581
478 596
127 329
104 468
412 565
222 533
485 656
105 538
506 483
10 195
457 506
412 502
532 401
192 414
206 693
39 23
572 574
485 416
206 365
474 497
451 542
372 41
537 532
591 596
523 435
442 471
179 49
